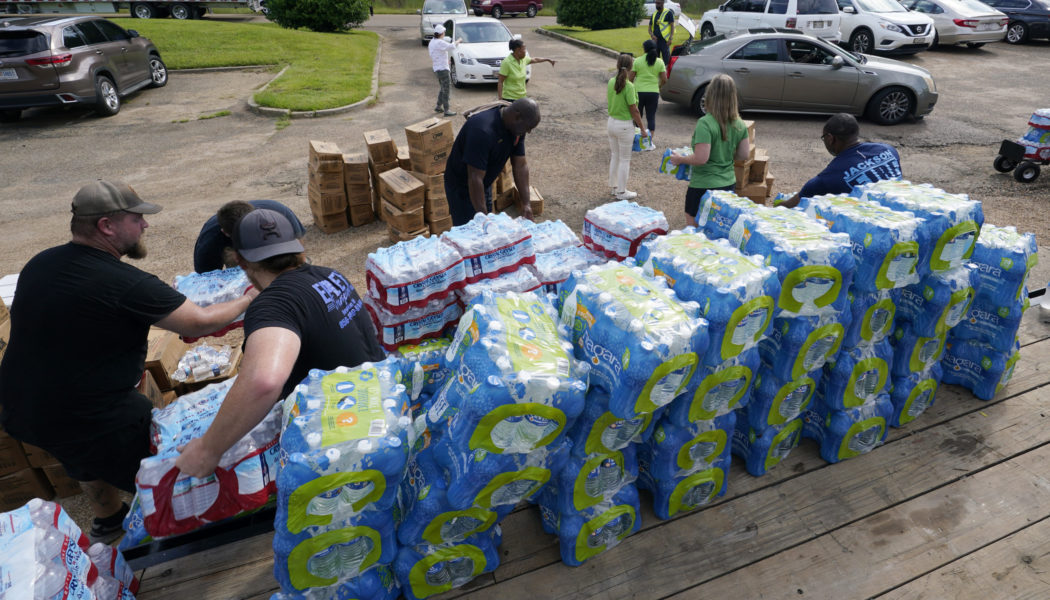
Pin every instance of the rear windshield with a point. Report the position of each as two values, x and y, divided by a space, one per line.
21 43
444 7
817 7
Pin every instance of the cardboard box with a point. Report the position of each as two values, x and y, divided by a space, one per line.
5 336
64 485
168 397
378 168
361 214
12 456
332 223
325 157
22 486
742 168
359 195
769 185
403 236
401 190
430 136
403 159
403 220
759 167
326 182
750 131
5 314
37 456
192 385
536 201
326 203
435 208
148 388
753 190
355 169
433 185
163 351
505 199
440 226
381 149
429 163
377 203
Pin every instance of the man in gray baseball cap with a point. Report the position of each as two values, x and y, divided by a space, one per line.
306 317
80 306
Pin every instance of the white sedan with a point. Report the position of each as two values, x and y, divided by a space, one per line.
674 7
477 59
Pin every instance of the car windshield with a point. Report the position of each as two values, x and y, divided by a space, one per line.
481 33
696 46
817 7
445 7
881 6
21 43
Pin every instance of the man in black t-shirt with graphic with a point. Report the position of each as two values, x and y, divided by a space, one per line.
79 323
306 317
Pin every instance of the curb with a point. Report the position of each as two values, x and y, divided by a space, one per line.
579 43
266 111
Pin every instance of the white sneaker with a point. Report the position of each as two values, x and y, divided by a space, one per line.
627 195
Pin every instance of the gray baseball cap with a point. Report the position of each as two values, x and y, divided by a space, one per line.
264 233
103 197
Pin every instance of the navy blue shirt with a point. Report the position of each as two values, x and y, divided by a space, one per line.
863 163
484 143
211 241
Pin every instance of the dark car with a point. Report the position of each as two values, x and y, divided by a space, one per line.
1028 19
57 61
498 8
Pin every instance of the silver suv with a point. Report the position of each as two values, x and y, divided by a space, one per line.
55 61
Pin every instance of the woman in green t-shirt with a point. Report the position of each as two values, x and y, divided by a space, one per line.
720 138
623 118
512 71
650 75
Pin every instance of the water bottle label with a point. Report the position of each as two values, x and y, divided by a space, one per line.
455 526
720 392
518 428
532 337
746 326
433 574
191 497
782 443
512 487
352 408
702 450
599 479
899 267
862 437
818 348
611 433
920 398
878 320
604 531
696 490
791 400
954 246
321 561
866 381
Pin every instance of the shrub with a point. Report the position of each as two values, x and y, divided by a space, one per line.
606 14
318 15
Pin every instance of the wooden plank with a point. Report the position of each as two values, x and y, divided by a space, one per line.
879 552
738 532
1032 328
195 566
247 580
1013 566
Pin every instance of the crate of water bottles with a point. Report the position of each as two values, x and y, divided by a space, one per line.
618 228
552 268
681 172
413 274
490 245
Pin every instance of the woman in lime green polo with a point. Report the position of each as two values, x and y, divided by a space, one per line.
623 118
511 85
650 75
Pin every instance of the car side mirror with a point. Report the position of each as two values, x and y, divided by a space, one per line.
849 10
516 36
132 34
837 62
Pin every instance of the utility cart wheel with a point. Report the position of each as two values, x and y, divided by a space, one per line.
1003 164
1026 172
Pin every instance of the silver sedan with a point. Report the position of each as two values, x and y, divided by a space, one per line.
969 22
784 70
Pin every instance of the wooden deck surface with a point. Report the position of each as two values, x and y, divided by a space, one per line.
954 506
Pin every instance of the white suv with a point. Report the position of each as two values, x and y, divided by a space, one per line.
819 18
884 26
436 12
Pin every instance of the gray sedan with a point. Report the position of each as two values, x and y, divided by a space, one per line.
784 70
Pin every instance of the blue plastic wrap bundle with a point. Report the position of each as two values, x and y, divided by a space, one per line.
887 244
953 221
872 317
763 449
343 453
719 210
490 244
938 302
426 367
736 293
857 376
643 343
719 390
428 570
978 367
847 433
684 492
413 273
815 266
516 385
616 229
587 533
912 395
586 481
375 584
681 172
549 235
598 431
675 451
801 345
775 402
552 268
995 325
914 353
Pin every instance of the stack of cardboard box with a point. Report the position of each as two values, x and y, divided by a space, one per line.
358 181
429 144
326 189
402 200
382 157
5 328
20 482
163 351
753 179
62 484
505 193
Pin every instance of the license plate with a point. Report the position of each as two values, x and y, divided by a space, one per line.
8 74
816 24
987 26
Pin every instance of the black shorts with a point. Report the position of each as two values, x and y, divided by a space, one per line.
459 206
694 195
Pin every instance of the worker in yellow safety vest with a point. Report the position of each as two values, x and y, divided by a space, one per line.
661 30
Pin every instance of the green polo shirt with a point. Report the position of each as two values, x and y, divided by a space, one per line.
619 103
647 79
514 71
718 170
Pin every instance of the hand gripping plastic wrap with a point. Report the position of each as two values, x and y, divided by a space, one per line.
425 570
213 287
914 353
857 375
953 221
644 345
847 433
719 390
426 368
736 293
775 402
586 481
887 244
978 367
174 503
552 268
490 245
344 448
815 266
413 273
913 394
516 385
680 172
763 449
616 229
585 534
938 302
415 324
719 210
872 317
549 235
520 281
798 346
682 492
598 431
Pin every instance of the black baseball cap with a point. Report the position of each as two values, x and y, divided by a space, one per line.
104 196
263 234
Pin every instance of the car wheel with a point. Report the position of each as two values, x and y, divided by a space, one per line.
497 12
698 101
890 106
141 10
10 116
453 75
107 101
1003 164
181 12
158 71
1017 33
974 44
708 30
1026 172
936 41
425 42
531 12
861 41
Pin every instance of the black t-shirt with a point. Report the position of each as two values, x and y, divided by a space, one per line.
484 143
211 241
321 307
79 323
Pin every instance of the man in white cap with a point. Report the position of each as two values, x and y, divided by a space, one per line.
438 49
306 317
83 315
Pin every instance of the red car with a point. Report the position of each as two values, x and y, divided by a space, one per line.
498 8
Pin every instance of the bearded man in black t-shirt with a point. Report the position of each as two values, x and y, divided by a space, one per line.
79 323
306 317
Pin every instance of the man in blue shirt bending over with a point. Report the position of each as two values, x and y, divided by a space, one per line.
855 162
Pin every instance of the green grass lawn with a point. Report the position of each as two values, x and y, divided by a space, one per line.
620 40
325 70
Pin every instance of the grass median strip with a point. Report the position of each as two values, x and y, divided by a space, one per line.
325 70
621 40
